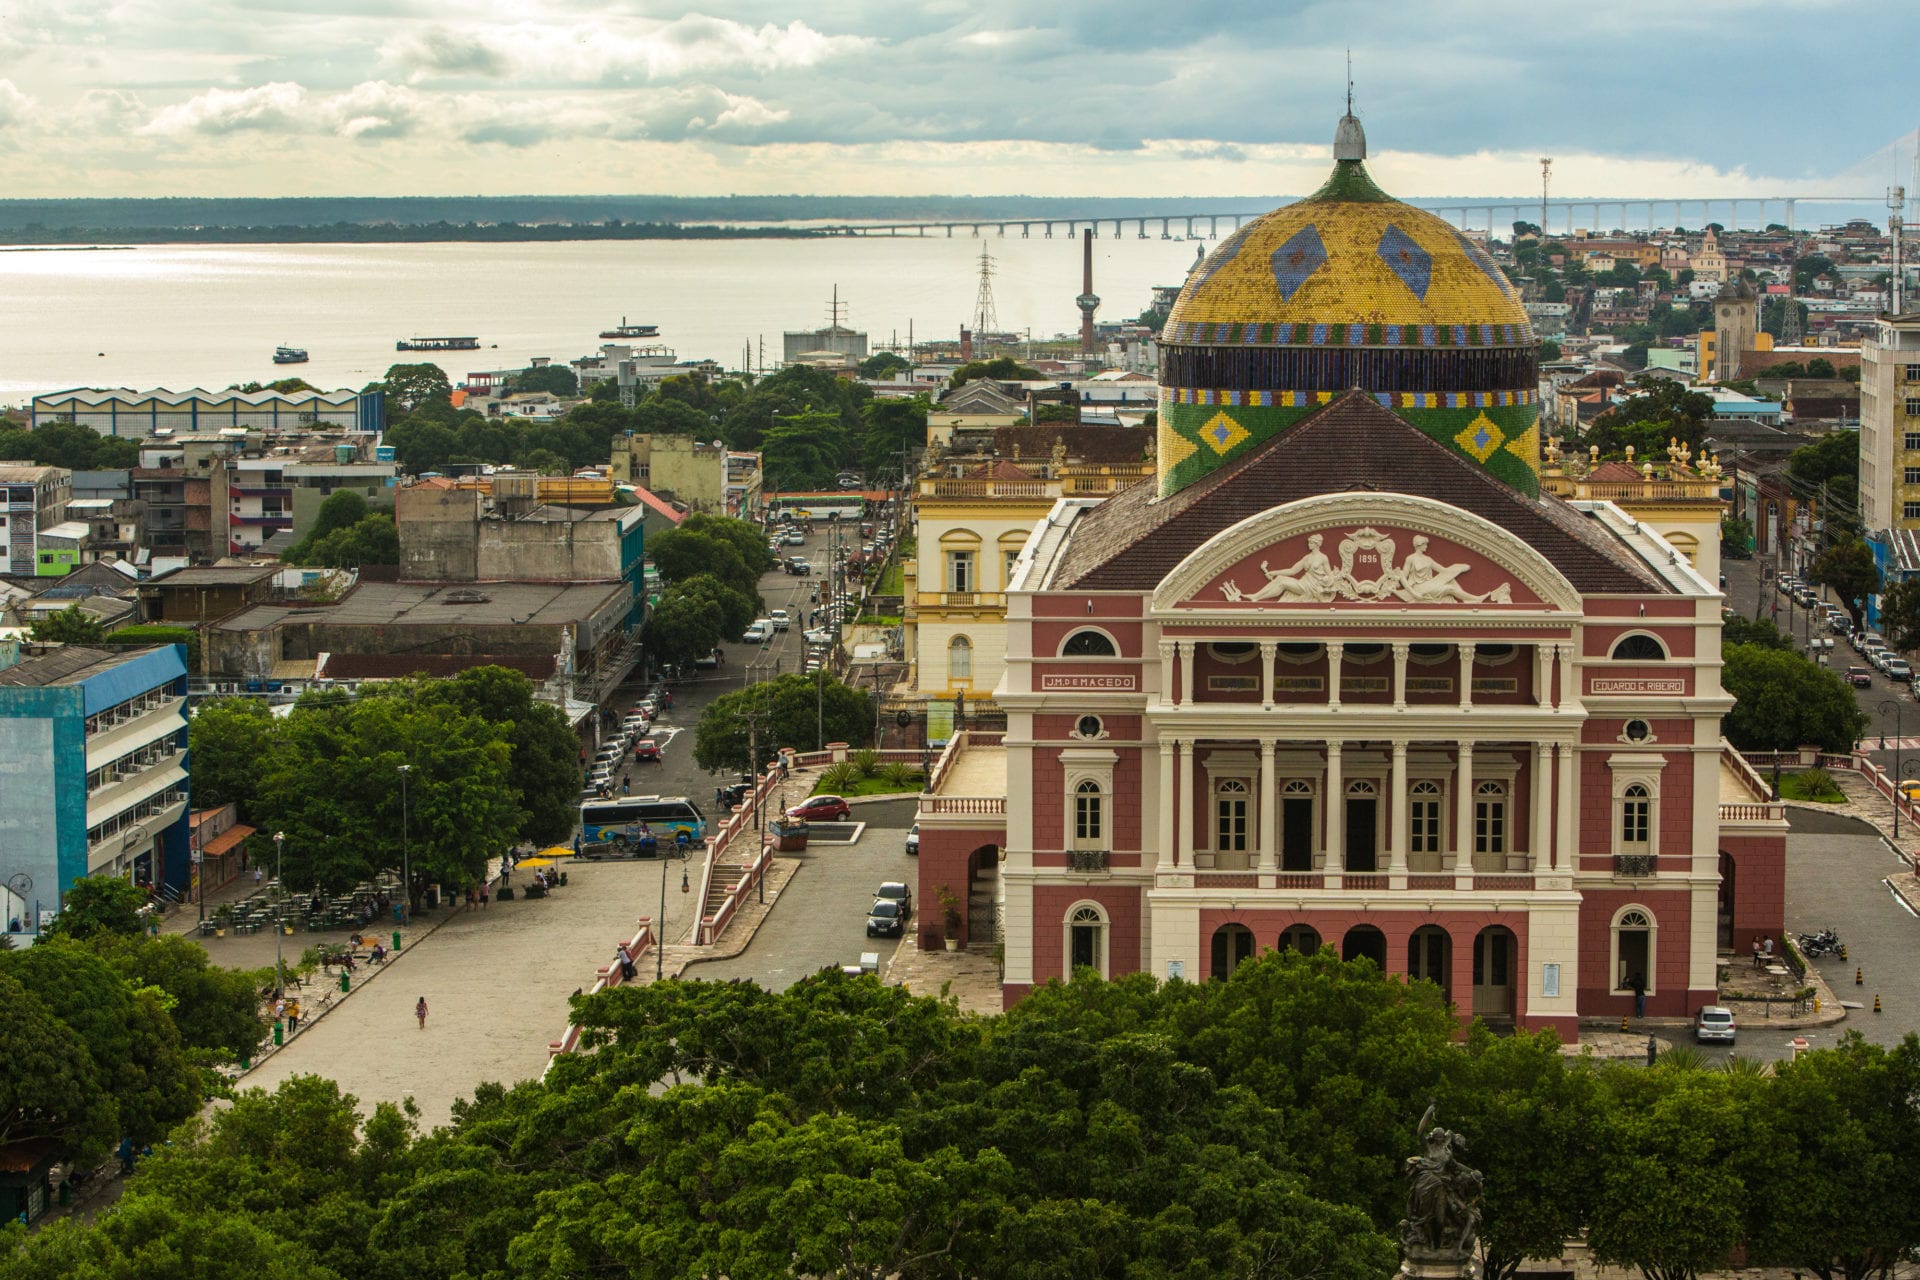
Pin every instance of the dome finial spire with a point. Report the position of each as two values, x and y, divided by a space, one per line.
1349 139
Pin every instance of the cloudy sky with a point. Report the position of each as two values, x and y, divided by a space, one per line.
1122 97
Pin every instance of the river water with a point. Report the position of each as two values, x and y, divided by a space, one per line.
180 316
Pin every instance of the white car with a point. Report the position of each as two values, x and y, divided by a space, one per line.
759 632
781 619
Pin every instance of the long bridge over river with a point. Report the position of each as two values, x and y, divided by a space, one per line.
1492 216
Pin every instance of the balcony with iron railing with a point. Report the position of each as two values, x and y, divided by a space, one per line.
1087 860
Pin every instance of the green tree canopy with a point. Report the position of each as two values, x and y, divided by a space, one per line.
1000 369
215 1010
795 710
554 379
1754 631
99 905
882 365
50 1087
682 627
69 445
894 435
685 553
1849 568
417 386
229 739
372 540
544 764
69 626
1783 701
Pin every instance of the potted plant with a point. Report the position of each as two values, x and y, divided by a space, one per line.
950 909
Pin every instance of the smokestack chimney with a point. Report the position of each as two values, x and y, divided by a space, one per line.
1087 301
966 344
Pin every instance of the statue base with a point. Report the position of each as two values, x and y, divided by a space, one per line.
1467 1268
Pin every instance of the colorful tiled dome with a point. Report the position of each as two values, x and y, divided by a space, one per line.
1348 288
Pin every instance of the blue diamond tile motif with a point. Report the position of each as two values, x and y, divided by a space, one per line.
1407 259
1229 250
1298 258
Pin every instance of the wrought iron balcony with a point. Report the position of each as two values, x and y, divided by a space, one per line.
1633 866
1087 860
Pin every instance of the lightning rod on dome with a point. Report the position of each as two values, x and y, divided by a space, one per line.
1349 139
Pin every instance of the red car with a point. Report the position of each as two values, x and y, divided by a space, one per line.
821 809
1860 677
647 749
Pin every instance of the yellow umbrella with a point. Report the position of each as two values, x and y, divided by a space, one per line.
554 851
534 862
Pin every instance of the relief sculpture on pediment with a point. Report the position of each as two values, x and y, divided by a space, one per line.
1419 579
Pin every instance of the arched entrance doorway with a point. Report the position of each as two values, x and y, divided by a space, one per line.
1365 940
1430 956
1303 938
1232 943
1495 957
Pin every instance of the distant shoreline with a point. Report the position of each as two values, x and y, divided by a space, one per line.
54 238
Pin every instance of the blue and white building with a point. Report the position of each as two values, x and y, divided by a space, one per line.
93 775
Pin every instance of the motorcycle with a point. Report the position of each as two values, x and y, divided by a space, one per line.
1824 943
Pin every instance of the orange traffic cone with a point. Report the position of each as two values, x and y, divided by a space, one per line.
1623 1022
1859 976
1876 1002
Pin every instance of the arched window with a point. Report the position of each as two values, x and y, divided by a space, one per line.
1231 807
1232 943
1424 799
959 658
1638 647
1089 814
1636 819
1086 940
1087 644
1490 818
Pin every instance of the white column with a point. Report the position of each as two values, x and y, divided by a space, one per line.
1565 653
1267 648
1400 650
1463 810
1335 854
1542 675
1466 676
1334 652
1186 672
1166 801
1539 802
1166 670
1567 846
1269 806
1183 824
1397 846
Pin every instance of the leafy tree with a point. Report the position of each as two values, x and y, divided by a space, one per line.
69 445
796 711
1848 568
895 433
682 627
882 365
417 386
69 626
227 740
685 553
50 1087
554 379
341 510
1660 409
544 765
142 634
374 540
1900 613
1783 701
333 785
1000 369
99 905
745 537
1528 1114
1736 538
1754 631
127 1032
804 450
421 444
216 1010
732 610
1549 350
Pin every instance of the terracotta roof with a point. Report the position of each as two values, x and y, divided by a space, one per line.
398 666
1085 444
1002 470
1614 470
1130 542
648 498
227 841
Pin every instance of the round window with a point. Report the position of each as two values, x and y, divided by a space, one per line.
1088 726
1638 731
1491 655
1237 651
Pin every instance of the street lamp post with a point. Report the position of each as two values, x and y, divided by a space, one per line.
1893 705
279 969
659 926
406 853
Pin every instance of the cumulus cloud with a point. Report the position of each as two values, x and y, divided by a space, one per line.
368 111
638 49
14 105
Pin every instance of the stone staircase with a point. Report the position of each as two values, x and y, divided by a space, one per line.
725 875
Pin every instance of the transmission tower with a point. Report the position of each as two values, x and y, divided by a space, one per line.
1791 334
1546 172
984 319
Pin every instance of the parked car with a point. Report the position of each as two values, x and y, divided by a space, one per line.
896 891
758 632
913 840
885 919
1897 669
821 809
780 619
799 567
647 749
710 661
795 538
1714 1022
1860 677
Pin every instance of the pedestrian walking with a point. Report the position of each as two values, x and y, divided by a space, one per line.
259 874
420 1011
293 1017
625 960
483 897
1638 985
1756 953
279 1010
1766 950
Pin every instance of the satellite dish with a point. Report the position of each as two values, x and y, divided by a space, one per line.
718 445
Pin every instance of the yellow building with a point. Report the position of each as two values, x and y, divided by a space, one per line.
701 475
1679 499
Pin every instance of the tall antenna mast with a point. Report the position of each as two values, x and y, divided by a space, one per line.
836 309
984 320
1546 175
1791 333
1349 81
1896 210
